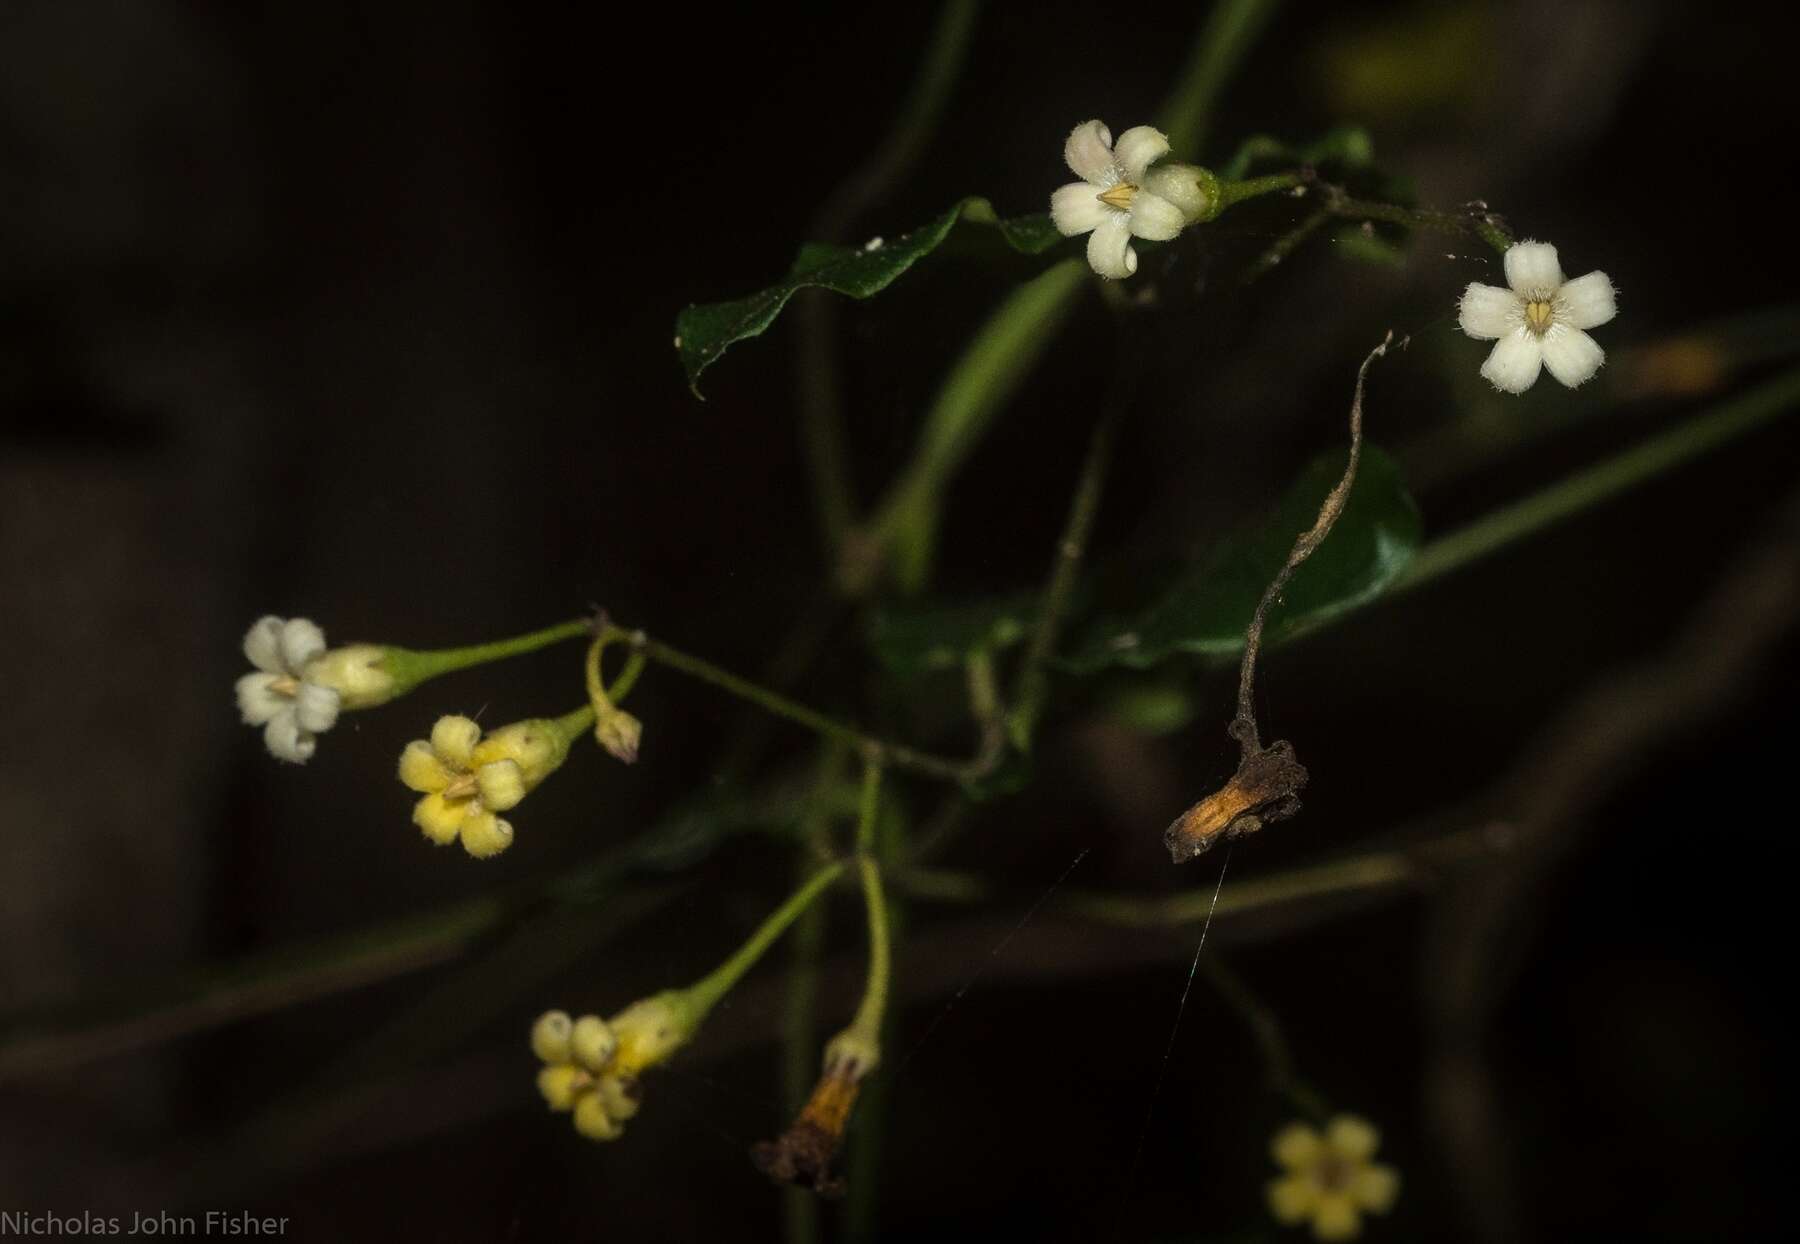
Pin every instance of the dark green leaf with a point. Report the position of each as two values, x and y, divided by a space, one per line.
912 639
706 330
1205 611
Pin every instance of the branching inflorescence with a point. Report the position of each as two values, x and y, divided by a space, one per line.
468 781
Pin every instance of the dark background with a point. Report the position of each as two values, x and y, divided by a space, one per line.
362 313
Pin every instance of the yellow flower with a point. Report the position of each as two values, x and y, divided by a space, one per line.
591 1065
1331 1180
467 780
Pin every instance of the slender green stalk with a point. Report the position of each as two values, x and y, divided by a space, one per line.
704 994
1604 481
896 754
873 1007
411 667
1231 193
1278 1059
575 723
996 361
1231 29
869 805
1084 505
1480 224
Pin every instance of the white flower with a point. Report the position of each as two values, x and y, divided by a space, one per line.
1118 197
291 710
1539 321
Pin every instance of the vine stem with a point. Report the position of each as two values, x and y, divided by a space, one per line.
411 667
704 994
896 754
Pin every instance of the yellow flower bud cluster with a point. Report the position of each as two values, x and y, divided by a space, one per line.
591 1066
468 780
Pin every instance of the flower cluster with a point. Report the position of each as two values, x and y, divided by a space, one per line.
1539 321
466 780
1331 1179
1120 197
591 1065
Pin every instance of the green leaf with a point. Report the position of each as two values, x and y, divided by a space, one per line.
1204 612
704 331
915 639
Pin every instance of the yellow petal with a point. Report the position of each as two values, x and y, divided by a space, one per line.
501 783
618 1096
560 1083
454 738
1296 1147
1352 1139
592 1042
484 834
550 1036
1375 1187
441 819
1292 1198
592 1121
1335 1218
421 770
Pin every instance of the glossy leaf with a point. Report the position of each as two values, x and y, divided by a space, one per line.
1204 612
705 331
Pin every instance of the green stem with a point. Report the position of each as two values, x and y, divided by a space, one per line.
898 755
996 361
869 805
1231 193
1034 679
1480 224
1278 1059
1230 31
869 1012
1602 482
575 723
410 667
799 1057
704 994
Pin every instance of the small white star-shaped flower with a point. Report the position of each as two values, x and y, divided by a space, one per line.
291 710
1539 321
1117 197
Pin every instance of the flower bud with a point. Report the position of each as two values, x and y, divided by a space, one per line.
1188 186
560 1083
648 1032
619 732
357 672
592 1043
550 1036
592 1120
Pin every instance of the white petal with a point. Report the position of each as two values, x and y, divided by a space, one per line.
1109 248
316 707
286 740
1587 301
1155 218
301 641
257 700
262 644
1513 364
1487 311
1532 270
1571 355
1076 208
1089 153
1138 148
1180 185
